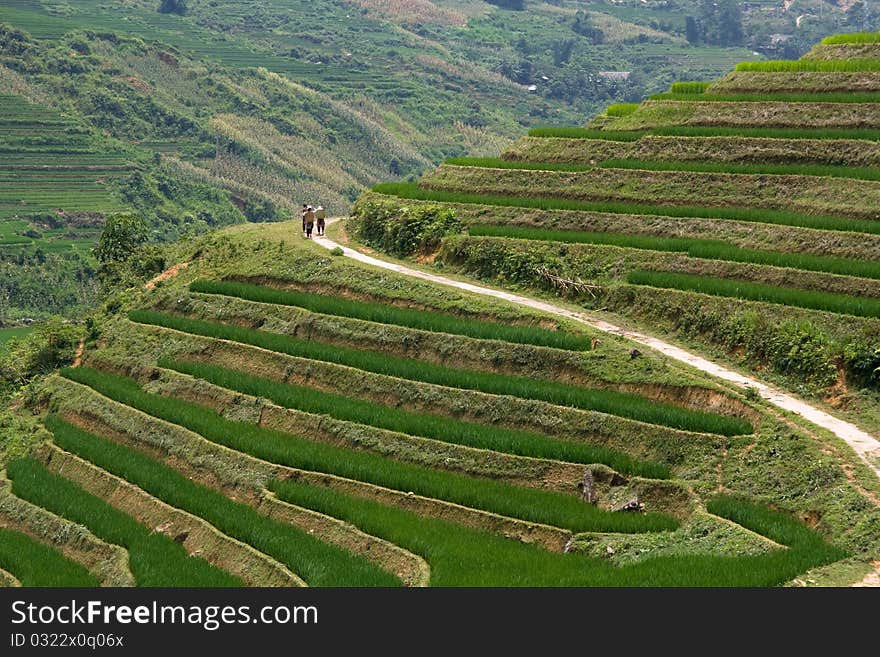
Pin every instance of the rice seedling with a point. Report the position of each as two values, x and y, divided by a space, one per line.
855 37
425 320
556 509
318 563
824 170
694 248
690 88
811 65
436 427
755 215
498 163
811 299
621 109
586 133
605 401
35 564
459 556
867 134
154 558
775 97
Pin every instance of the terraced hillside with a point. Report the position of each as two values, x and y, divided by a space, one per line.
739 216
288 418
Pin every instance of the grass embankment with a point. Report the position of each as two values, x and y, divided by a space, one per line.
775 97
463 557
35 564
811 299
154 558
854 37
606 401
317 563
867 134
694 248
424 320
823 170
752 215
556 509
811 65
446 429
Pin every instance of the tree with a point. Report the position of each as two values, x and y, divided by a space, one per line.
730 29
121 237
691 30
173 7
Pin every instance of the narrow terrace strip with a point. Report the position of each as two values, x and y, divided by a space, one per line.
318 563
606 401
424 320
35 564
545 507
694 248
446 429
464 557
155 559
865 445
751 215
868 134
724 287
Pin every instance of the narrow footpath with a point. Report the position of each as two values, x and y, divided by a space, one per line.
866 446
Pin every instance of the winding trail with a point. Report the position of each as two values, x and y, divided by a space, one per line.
866 446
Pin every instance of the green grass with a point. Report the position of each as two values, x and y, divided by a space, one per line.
556 509
14 333
823 170
710 131
776 97
586 133
855 37
752 215
829 170
695 248
424 320
689 88
811 299
460 556
35 564
605 401
154 558
621 109
436 427
811 65
316 562
499 163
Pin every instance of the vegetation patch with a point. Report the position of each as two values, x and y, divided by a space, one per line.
421 319
154 558
446 429
836 303
819 65
755 215
460 556
606 401
318 563
35 564
694 248
555 509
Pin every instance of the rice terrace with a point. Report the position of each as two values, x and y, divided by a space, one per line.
276 411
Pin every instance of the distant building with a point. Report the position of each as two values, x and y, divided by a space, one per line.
614 75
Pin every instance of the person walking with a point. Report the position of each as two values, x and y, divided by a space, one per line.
320 219
309 220
303 215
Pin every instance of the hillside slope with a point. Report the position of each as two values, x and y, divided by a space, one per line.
225 115
292 417
739 216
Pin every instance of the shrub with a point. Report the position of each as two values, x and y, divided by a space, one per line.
402 230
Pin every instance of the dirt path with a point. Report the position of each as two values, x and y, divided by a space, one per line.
866 446
872 579
165 275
